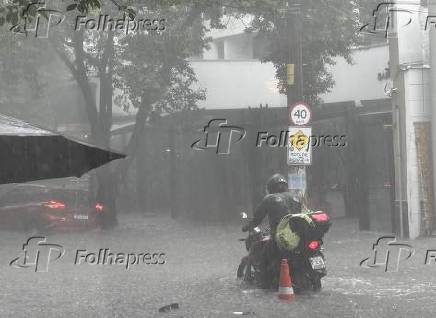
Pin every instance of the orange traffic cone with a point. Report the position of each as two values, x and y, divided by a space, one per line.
286 291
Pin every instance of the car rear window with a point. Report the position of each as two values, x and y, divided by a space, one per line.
75 198
18 196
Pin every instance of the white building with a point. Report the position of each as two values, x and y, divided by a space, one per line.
233 76
360 80
232 73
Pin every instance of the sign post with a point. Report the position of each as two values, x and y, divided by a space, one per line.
299 148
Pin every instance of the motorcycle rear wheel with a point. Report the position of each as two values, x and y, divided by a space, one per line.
245 272
316 284
241 270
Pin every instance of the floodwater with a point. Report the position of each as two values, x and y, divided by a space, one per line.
200 275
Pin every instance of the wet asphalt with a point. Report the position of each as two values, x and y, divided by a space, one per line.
199 274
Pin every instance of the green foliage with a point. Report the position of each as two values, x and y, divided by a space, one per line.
147 62
329 29
24 81
15 10
18 68
326 32
154 66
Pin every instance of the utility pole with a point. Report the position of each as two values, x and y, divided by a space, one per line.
295 57
399 136
294 68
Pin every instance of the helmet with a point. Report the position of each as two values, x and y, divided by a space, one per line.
277 183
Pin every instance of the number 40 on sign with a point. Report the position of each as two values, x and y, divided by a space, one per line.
300 114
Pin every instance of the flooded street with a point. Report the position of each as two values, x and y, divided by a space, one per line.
200 275
146 145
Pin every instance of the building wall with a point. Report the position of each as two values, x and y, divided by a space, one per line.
234 78
359 81
417 98
233 84
415 95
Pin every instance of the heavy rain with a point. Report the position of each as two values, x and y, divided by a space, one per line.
217 158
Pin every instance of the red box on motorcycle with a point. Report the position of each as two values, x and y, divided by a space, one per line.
322 221
313 229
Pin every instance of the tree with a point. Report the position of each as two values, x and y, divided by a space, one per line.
326 32
159 80
330 28
21 80
151 68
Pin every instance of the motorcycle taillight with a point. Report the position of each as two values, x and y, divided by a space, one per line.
314 245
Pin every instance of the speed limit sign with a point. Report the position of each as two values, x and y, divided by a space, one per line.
300 114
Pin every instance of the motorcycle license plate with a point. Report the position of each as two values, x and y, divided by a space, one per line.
317 262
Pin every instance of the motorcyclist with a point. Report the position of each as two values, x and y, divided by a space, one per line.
276 204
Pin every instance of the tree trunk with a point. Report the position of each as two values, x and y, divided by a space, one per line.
107 183
101 119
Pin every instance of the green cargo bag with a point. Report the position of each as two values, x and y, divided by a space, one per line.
285 237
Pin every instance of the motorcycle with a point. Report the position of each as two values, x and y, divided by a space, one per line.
306 262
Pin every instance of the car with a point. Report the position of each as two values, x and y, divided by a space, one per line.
38 207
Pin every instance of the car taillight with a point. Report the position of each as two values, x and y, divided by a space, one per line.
99 207
320 217
313 245
52 204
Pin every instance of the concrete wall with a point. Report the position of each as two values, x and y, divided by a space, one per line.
239 81
359 80
237 84
417 95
